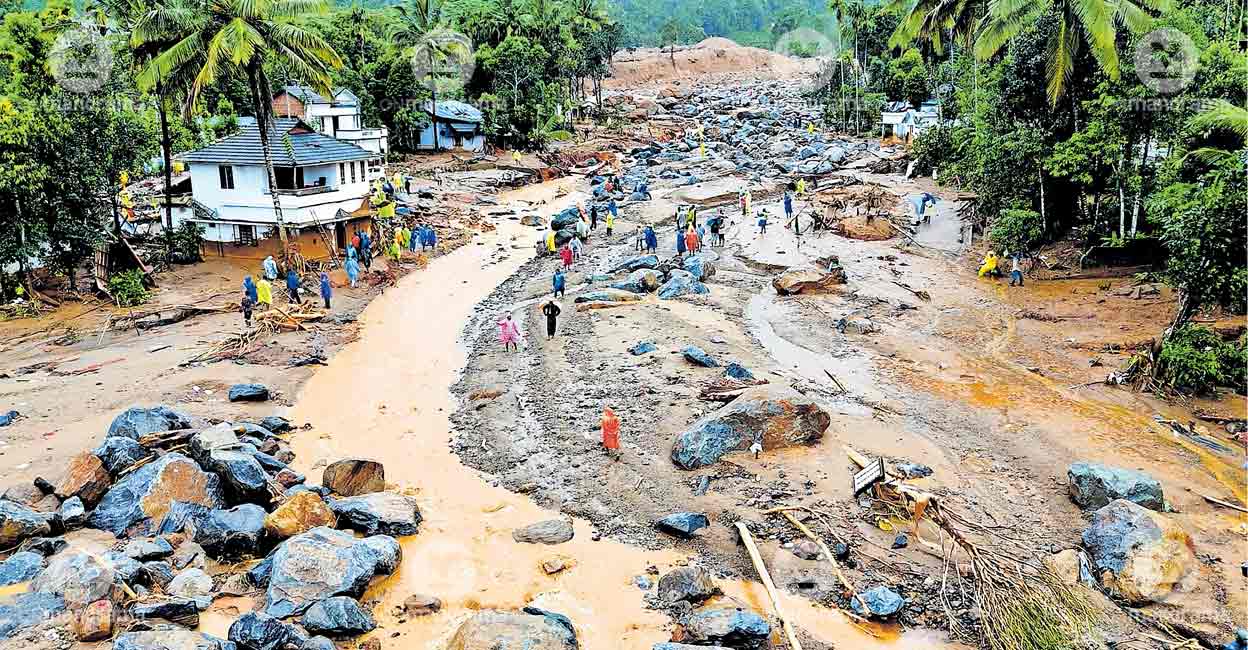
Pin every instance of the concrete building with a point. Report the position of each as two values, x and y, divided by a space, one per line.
459 126
322 184
338 116
907 122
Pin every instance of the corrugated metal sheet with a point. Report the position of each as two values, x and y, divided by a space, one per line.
309 148
449 109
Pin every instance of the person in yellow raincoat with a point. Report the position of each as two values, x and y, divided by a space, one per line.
550 241
990 265
407 237
801 186
264 293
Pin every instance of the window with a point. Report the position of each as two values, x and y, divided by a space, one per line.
288 178
342 173
353 171
227 176
247 235
336 127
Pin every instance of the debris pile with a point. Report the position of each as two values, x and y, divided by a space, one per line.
193 505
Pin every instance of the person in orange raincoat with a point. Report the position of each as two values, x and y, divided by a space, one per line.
610 431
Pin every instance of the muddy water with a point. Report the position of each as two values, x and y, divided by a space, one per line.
386 396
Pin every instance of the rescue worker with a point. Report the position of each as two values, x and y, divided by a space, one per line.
989 267
560 282
611 432
264 293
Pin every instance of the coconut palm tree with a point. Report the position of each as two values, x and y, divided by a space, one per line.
1091 23
225 38
1223 117
419 24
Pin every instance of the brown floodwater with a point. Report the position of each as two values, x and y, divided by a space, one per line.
387 396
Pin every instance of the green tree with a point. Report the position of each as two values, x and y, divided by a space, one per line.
227 38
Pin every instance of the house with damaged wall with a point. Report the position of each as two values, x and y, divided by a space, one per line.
322 184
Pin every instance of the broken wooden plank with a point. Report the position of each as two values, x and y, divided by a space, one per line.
1224 504
166 439
761 568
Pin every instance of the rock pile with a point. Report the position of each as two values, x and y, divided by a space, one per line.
183 520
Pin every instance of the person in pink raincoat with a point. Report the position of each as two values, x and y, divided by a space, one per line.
509 334
566 253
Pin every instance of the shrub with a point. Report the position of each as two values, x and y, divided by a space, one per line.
127 288
932 149
1195 359
182 244
1016 229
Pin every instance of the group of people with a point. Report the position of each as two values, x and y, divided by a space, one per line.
691 236
991 267
259 295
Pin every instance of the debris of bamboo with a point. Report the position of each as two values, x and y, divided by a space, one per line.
761 568
836 566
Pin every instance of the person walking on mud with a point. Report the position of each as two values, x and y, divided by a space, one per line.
610 220
593 216
1016 271
652 240
611 433
680 242
565 253
561 283
691 240
366 251
249 288
292 287
788 205
762 222
509 334
247 305
327 291
551 311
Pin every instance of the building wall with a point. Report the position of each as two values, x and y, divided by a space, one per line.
446 137
348 117
287 105
310 241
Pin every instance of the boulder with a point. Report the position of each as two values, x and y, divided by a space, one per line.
136 422
732 627
276 424
45 546
1093 486
249 393
20 567
639 281
379 513
681 283
127 569
338 617
18 523
683 524
8 417
634 263
692 584
806 549
699 357
158 573
182 517
735 370
27 610
244 480
170 640
643 347
608 295
549 532
84 477
234 534
299 514
808 280
354 476
494 629
94 622
78 578
144 496
421 605
259 631
699 267
179 611
321 643
144 550
1138 554
322 563
884 602
73 513
192 584
25 494
777 417
386 553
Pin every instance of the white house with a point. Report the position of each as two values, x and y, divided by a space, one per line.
459 126
908 123
322 184
338 116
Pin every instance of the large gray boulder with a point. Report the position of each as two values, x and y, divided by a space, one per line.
338 617
259 631
19 523
136 422
531 631
146 495
549 532
808 280
699 267
27 610
777 417
692 584
171 640
354 476
1138 554
78 578
234 534
731 627
217 449
608 295
379 513
884 602
1093 486
634 263
639 281
20 567
681 283
322 563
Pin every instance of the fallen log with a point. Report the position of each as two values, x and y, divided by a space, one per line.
761 568
166 439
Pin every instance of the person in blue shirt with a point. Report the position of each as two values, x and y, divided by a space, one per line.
292 286
327 291
249 288
652 240
560 282
366 250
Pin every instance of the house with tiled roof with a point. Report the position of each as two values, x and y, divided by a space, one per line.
458 126
338 116
321 182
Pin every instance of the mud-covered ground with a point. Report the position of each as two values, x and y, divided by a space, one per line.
980 383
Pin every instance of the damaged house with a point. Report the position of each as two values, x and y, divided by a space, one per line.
322 184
